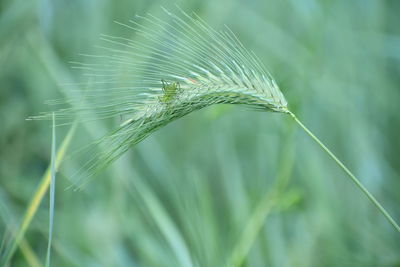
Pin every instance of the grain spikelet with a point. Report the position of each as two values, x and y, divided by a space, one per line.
182 65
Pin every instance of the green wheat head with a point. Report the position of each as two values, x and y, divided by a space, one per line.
180 65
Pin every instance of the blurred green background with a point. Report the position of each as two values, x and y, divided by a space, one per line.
196 192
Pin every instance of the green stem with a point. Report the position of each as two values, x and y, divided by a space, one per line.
348 172
265 207
52 190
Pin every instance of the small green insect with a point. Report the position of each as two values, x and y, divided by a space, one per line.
170 90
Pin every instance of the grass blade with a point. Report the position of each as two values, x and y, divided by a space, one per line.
164 222
36 199
30 256
266 205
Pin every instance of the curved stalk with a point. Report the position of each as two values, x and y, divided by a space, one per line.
349 173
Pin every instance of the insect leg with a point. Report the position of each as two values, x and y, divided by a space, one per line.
164 84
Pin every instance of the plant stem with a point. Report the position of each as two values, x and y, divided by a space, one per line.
52 190
266 205
348 172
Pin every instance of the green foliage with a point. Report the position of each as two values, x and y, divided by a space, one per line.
185 195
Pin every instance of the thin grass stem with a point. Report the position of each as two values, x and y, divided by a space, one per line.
349 173
265 207
52 190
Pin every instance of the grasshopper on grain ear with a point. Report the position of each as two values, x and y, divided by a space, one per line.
170 90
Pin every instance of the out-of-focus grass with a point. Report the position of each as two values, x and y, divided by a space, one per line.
185 195
17 234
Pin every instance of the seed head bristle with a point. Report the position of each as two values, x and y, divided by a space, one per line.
170 69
